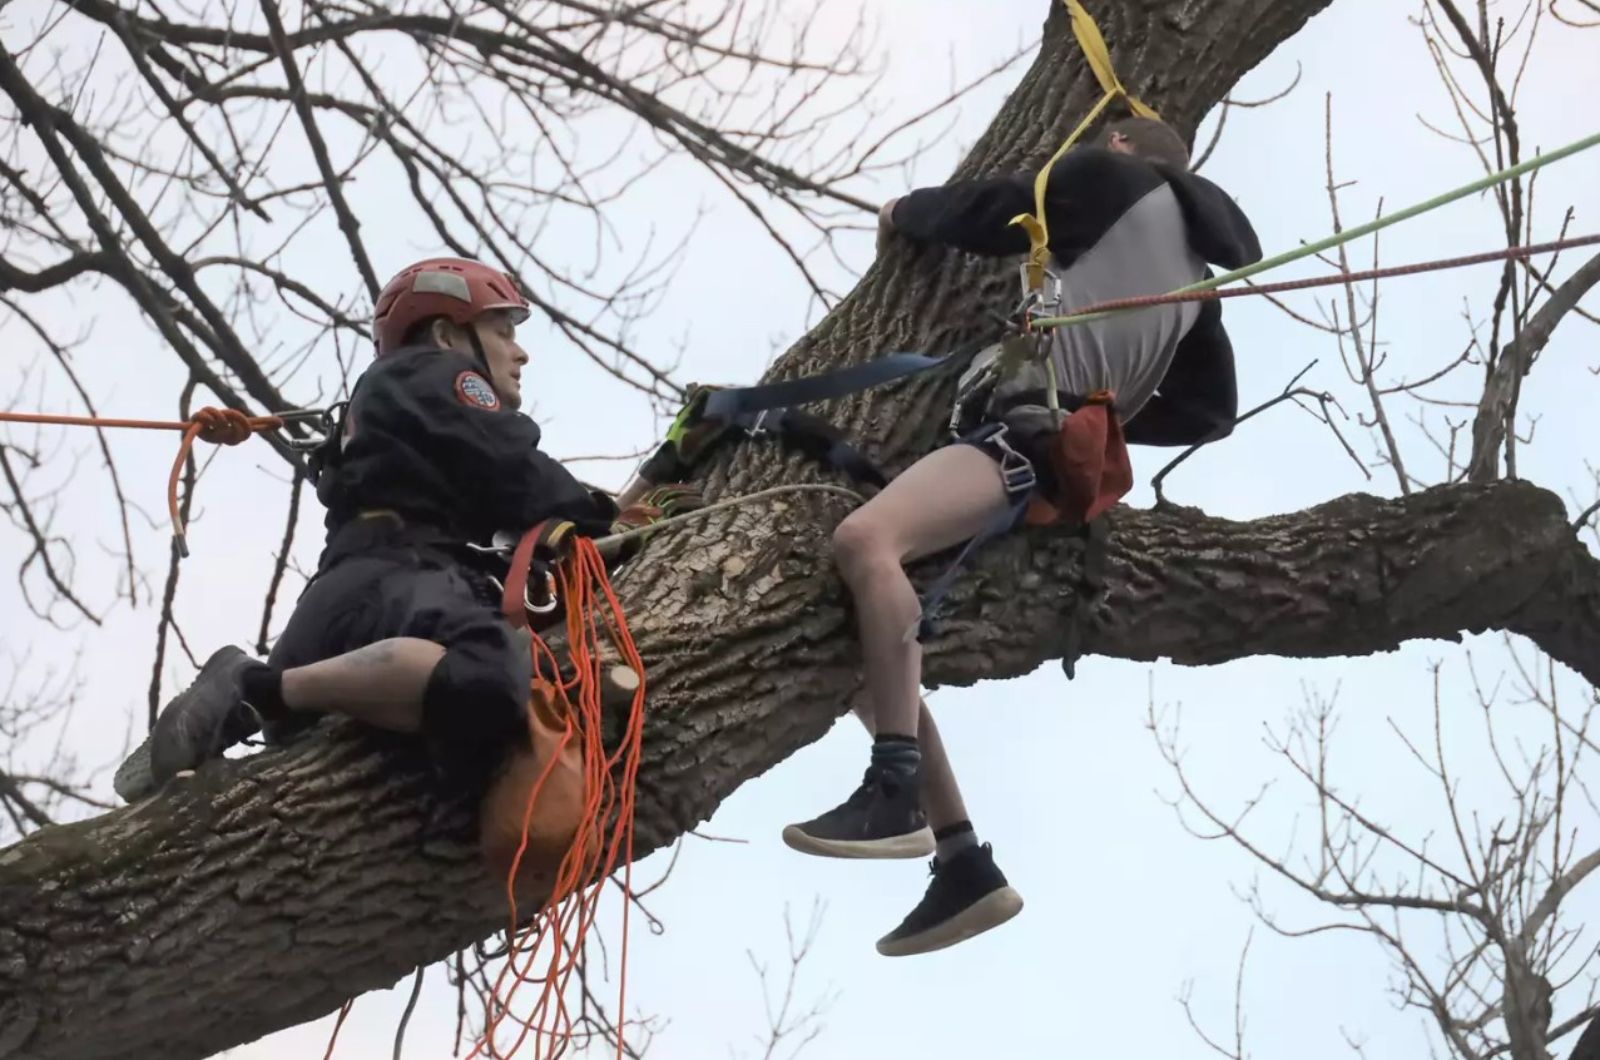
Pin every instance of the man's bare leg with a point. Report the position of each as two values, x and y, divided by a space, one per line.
381 684
940 501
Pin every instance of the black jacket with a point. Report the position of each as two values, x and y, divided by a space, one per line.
426 436
1088 190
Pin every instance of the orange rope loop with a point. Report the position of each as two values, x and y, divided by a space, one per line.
214 425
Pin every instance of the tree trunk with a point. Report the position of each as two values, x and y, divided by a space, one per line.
265 892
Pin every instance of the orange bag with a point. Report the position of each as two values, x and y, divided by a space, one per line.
540 792
1088 463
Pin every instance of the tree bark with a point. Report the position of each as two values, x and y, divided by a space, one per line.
265 892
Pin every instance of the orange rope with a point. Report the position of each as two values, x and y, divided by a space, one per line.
217 426
553 943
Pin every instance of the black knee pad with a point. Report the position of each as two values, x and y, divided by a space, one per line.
475 705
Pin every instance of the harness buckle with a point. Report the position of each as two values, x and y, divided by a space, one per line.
551 598
502 544
1016 470
1043 301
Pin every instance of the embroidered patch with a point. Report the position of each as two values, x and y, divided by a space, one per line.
474 389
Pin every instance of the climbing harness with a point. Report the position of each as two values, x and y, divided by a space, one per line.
528 585
217 426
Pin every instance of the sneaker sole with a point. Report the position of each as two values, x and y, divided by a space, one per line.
911 845
134 782
988 912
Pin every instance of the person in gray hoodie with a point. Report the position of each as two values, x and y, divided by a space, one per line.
1126 218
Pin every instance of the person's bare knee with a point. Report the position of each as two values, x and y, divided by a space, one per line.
861 543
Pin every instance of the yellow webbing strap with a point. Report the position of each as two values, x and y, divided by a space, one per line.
1099 56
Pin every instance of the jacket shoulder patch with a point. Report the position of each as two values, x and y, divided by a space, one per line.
473 389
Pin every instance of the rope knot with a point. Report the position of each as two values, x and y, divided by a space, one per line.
223 426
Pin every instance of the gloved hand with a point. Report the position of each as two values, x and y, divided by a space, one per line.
688 440
662 502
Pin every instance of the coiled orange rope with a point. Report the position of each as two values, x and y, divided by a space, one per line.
548 950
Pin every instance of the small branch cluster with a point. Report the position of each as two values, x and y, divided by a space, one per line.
1477 924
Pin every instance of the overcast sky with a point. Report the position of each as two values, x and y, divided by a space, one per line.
1123 906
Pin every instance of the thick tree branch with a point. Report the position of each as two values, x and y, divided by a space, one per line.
242 857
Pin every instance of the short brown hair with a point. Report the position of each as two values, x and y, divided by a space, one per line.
1152 139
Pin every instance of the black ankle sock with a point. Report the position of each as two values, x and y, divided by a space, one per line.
953 838
899 755
262 688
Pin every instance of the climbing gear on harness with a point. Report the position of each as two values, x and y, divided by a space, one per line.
1093 44
458 289
1088 465
528 595
217 426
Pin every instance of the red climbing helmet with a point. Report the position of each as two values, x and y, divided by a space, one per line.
457 288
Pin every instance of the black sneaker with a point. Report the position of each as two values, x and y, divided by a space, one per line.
204 719
968 896
883 819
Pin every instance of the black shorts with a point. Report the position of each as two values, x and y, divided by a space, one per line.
375 585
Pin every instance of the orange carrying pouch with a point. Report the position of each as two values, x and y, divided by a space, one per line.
540 793
1088 465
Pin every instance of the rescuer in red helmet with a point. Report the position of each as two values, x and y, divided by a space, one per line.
401 626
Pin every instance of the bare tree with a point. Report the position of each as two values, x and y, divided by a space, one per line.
1474 914
1476 928
38 791
728 611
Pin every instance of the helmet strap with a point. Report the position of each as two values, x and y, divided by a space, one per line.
477 347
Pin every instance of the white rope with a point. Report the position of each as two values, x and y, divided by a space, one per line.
612 542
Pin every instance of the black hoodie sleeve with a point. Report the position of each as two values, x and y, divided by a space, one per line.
433 413
970 215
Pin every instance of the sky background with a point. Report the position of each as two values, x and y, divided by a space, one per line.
1124 907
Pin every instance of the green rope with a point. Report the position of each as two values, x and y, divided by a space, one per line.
1352 234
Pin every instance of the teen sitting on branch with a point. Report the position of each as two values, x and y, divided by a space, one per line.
1125 218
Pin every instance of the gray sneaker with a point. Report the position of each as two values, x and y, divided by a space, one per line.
199 723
